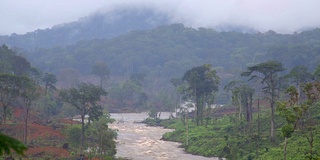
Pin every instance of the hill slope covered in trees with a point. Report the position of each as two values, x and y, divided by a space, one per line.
99 25
168 51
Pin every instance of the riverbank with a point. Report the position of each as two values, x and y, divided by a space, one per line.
232 138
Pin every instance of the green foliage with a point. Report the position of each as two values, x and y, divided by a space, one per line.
49 80
50 106
300 74
10 62
29 90
9 90
169 51
153 113
128 95
162 102
202 82
102 138
6 56
7 143
101 70
73 135
68 111
287 130
298 149
138 78
316 73
84 99
230 138
21 67
174 47
268 75
242 96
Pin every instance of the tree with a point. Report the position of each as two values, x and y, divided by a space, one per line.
180 86
299 75
267 73
21 66
202 81
242 95
12 63
316 73
35 74
49 81
9 90
128 94
84 98
294 112
162 102
137 78
6 56
49 106
29 92
101 70
312 91
103 137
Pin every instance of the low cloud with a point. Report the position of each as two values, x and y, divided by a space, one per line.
283 16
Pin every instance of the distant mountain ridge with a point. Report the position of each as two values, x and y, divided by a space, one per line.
96 26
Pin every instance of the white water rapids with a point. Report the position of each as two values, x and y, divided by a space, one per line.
137 141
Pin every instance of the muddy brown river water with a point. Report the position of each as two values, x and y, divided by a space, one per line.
137 141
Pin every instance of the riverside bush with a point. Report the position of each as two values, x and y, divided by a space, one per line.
230 139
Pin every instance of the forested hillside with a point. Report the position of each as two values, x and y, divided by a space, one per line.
168 51
98 25
178 46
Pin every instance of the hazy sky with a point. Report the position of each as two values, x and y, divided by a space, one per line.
283 16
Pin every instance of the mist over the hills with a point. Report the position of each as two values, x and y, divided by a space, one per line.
96 26
282 16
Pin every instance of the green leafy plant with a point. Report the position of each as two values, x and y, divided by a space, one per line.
7 143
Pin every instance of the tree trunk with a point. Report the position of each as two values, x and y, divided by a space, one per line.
258 129
250 109
248 101
197 107
247 110
258 117
299 92
82 132
26 126
310 140
101 82
285 149
46 89
5 107
100 147
187 129
272 123
240 108
311 148
201 111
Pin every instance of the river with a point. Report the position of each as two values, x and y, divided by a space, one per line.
137 141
